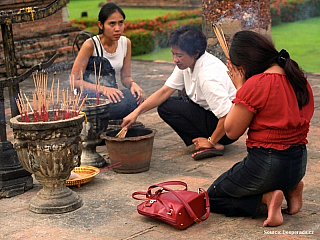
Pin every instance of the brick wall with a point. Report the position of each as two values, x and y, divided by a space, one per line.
182 4
39 40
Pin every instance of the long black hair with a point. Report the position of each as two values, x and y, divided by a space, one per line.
189 39
108 9
256 53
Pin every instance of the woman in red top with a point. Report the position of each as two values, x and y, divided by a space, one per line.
274 101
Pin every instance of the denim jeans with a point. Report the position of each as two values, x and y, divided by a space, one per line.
121 109
189 120
239 190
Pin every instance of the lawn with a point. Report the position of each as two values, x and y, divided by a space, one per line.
76 7
301 39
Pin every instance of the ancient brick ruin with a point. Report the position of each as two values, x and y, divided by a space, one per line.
234 16
39 40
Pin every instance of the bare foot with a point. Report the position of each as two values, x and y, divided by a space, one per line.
273 200
294 199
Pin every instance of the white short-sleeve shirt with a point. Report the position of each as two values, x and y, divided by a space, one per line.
208 85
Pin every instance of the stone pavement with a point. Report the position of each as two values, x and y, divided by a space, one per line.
109 212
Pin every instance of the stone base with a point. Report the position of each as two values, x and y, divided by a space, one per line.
14 179
89 155
64 201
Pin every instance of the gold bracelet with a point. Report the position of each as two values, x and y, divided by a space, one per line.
209 140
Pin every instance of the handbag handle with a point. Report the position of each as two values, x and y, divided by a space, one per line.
148 194
187 206
89 34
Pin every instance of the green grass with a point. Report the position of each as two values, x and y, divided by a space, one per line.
163 54
301 39
76 7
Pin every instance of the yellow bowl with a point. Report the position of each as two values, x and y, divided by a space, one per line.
87 173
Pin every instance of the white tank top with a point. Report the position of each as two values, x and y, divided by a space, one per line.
116 59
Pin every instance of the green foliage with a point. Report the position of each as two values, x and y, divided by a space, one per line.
92 8
301 40
293 10
149 35
146 35
142 41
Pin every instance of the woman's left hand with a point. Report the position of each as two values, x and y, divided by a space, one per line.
138 93
236 75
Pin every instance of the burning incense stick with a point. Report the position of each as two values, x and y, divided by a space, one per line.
98 88
43 100
220 36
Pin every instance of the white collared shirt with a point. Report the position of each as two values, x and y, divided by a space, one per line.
208 85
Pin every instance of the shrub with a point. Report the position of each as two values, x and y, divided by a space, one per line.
145 35
141 41
293 10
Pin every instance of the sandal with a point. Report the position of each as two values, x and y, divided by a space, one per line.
207 152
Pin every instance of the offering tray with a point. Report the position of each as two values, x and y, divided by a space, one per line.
84 174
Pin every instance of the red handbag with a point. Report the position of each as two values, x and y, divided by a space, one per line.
180 208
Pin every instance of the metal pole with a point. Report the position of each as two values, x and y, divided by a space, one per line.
11 68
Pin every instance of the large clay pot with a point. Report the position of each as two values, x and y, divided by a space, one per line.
97 122
132 152
50 150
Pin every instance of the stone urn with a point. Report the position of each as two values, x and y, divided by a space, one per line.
50 150
97 122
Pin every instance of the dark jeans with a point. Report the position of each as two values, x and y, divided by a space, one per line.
189 120
239 190
120 109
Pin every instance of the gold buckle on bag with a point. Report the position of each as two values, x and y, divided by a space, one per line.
149 203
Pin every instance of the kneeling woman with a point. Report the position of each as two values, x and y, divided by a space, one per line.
274 100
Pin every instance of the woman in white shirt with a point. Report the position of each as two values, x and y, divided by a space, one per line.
198 118
117 49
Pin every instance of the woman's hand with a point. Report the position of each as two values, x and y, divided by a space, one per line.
236 75
113 94
137 92
129 120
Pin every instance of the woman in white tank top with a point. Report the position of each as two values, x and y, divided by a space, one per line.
117 49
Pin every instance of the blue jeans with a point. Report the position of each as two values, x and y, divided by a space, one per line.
120 109
239 190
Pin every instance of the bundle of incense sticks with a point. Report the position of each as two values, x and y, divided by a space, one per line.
44 101
97 81
220 36
122 133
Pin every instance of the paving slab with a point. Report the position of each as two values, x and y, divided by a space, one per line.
109 212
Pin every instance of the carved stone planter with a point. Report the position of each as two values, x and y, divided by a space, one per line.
50 150
97 122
